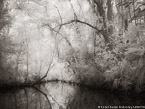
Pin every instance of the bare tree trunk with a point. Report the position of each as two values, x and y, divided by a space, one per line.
134 10
110 16
104 31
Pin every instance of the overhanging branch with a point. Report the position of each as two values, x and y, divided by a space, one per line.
78 21
103 32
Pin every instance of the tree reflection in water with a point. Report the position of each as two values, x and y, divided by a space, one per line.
28 98
64 96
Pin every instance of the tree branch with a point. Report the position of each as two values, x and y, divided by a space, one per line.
79 21
49 68
59 14
44 95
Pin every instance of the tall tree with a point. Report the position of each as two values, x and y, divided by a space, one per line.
106 30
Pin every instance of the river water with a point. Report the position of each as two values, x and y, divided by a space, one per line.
64 96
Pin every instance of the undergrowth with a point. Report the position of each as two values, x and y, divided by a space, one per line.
122 68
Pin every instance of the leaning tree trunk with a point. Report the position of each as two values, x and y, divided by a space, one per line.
105 31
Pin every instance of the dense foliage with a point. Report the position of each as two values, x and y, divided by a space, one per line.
92 42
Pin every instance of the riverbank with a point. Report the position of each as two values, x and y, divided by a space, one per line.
105 87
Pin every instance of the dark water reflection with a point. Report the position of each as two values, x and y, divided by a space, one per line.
64 96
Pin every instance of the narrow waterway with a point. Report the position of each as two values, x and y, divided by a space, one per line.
64 96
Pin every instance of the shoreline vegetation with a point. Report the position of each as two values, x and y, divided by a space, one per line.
102 43
126 75
104 86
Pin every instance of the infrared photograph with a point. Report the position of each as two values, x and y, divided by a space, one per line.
72 54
